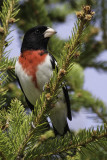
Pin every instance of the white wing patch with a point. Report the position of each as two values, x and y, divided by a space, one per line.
56 63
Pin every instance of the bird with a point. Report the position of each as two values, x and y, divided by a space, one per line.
34 69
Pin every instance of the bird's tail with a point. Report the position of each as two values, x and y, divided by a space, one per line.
66 129
58 118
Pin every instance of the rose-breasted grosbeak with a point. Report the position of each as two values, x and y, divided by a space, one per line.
34 68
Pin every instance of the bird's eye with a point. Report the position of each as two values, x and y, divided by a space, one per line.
37 31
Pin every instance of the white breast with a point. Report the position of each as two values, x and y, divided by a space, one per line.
44 72
43 75
28 87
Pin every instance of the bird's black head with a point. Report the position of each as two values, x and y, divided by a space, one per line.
37 38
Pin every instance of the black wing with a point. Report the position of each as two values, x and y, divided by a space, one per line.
29 104
65 90
53 62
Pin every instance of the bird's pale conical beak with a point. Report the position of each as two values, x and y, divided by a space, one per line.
49 32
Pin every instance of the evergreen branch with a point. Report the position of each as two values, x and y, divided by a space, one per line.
9 11
22 140
81 140
3 91
81 144
52 88
82 98
2 155
31 132
19 125
6 18
5 145
70 49
7 68
101 116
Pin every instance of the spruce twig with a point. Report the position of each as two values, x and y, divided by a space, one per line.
85 98
2 156
7 16
52 87
5 22
81 144
20 139
8 68
93 137
98 114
